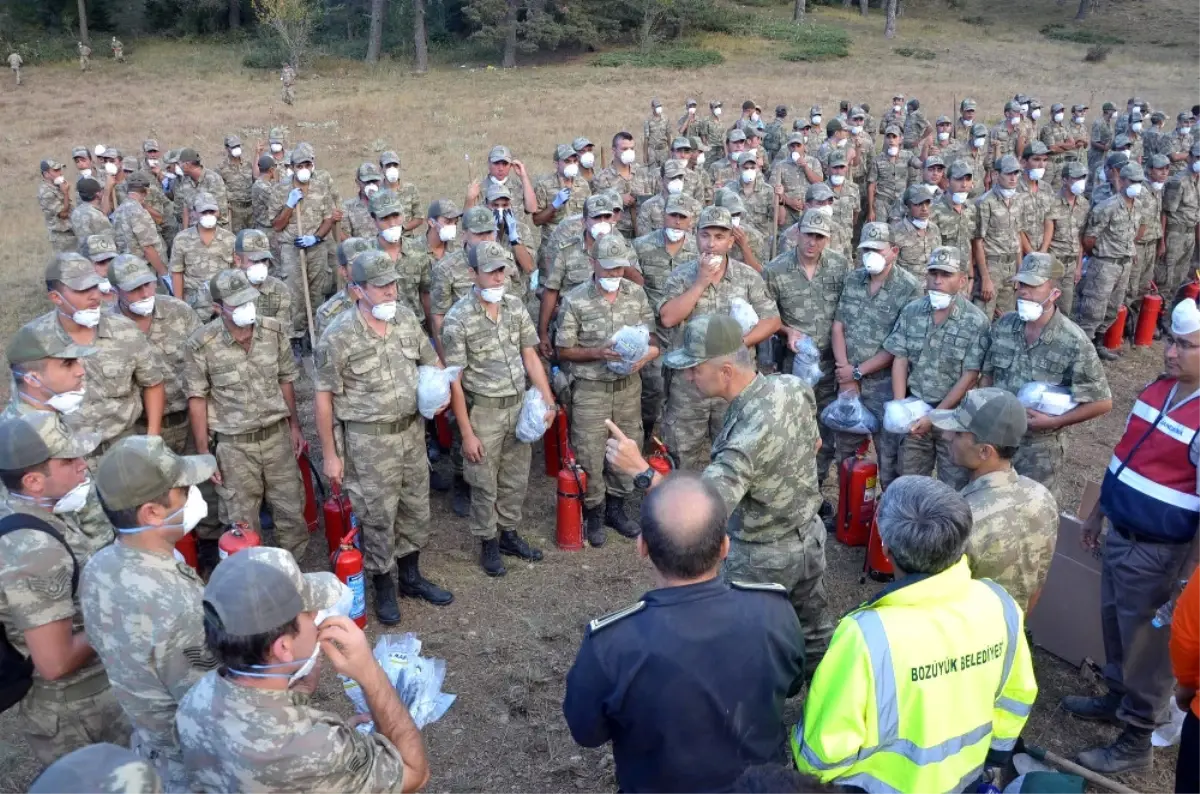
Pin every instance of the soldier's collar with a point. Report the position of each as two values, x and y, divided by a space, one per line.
752 389
1050 330
993 479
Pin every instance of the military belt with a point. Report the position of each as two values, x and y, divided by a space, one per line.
262 434
493 402
1184 228
380 428
88 687
610 386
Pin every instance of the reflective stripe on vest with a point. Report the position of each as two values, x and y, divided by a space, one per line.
887 705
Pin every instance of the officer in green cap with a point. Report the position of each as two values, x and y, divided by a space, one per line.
412 266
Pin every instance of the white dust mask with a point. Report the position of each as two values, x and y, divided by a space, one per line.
73 500
837 179
939 300
1134 190
448 233
1036 173
587 159
244 315
392 234
959 198
1028 310
920 223
88 318
303 175
1078 186
675 235
675 187
979 142
874 262
628 156
208 221
1035 114
893 151
391 173
256 273
1058 117
490 294
86 173
600 229
110 169
943 136
277 147
385 311
571 170
235 152
609 284
144 307
370 189
58 180
747 176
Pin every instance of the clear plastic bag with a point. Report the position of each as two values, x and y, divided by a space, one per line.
417 679
899 415
847 414
1045 398
807 364
433 388
631 342
744 314
531 423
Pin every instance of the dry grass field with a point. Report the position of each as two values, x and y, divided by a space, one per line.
510 642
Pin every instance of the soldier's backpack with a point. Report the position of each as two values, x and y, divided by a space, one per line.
16 671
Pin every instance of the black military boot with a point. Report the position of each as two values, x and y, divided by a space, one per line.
489 558
614 516
514 545
1129 753
461 500
1102 708
386 608
827 516
414 585
1104 353
593 526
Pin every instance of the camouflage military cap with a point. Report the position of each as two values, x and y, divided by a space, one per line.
87 188
1035 148
737 134
1116 159
1034 102
935 160
28 345
961 170
385 203
252 244
857 113
674 168
265 163
34 438
276 135
1078 108
1008 165
715 216
918 194
943 119
581 143
892 129
813 221
781 111
100 247
706 337
373 267
149 145
746 157
730 200
111 153
189 155
257 590
914 104
99 769
347 248
691 102
967 104
232 141
74 270
49 164
389 158
171 157
487 256
1159 161
129 272
752 133
1012 106
138 180
303 153
129 166
994 416
612 252
818 191
563 151
204 202
597 205
80 151
479 220
1038 268
714 103
979 130
1108 107
1057 107
1121 141
497 190
655 103
140 469
1132 172
443 208
749 104
897 96
368 172
837 159
695 142
1195 150
1021 99
834 125
232 288
797 138
1073 169
946 258
876 235
681 142
1184 116
677 205
801 123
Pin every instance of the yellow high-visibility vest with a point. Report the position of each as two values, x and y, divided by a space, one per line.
917 686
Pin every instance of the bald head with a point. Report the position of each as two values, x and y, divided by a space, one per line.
683 526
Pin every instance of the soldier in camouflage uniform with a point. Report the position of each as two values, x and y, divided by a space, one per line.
302 216
54 199
1181 219
725 169
1004 135
957 216
101 250
1060 355
561 193
1014 519
103 768
1101 138
487 401
757 194
656 136
1057 138
441 230
1110 171
916 234
916 127
85 56
632 181
141 609
134 228
750 245
998 241
774 133
252 254
238 176
42 467
894 117
966 120
247 725
287 76
238 373
847 204
260 203
197 179
1176 145
1108 242
1065 219
356 212
1078 130
692 420
863 144
795 173
516 236
452 277
410 198
366 380
86 218
342 299
978 154
819 195
887 176
939 343
650 214
870 303
711 132
1037 195
413 266
590 314
695 181
199 253
1149 246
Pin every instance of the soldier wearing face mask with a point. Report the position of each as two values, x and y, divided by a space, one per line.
916 234
54 199
750 245
110 177
651 213
199 253
695 183
1037 193
195 179
957 216
895 115
1176 145
725 170
410 198
847 204
1063 234
863 145
302 212
514 234
413 265
341 300
252 255
1004 135
1028 129
632 181
997 240
940 144
887 176
656 135
1059 142
1150 245
559 194
101 250
795 173
441 231
1106 178
1109 237
588 162
134 227
81 156
356 212
966 120
238 176
978 154
87 218
818 196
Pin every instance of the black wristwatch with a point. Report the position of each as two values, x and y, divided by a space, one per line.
643 481
857 373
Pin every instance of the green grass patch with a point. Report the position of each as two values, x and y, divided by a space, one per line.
1059 32
809 41
915 52
978 20
661 58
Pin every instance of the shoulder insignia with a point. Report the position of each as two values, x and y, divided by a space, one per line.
613 617
766 587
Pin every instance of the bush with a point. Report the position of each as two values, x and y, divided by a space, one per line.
40 50
809 42
915 52
1097 53
661 58
1059 32
264 54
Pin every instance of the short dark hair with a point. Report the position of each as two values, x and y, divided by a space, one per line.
52 285
621 136
128 517
689 551
239 652
1006 453
12 477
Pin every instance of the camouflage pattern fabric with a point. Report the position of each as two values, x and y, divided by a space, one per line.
198 263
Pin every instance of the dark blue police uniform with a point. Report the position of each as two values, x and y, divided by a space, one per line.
688 684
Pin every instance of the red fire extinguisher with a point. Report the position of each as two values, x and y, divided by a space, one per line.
572 485
347 564
877 565
857 479
186 550
1152 305
337 511
660 457
311 484
1192 288
240 536
441 428
555 442
1115 334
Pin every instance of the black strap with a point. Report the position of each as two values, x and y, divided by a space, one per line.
17 521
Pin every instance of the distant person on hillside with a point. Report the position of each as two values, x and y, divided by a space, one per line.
118 50
288 77
15 63
85 56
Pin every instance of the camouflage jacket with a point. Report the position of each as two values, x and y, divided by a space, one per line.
588 319
571 267
938 355
416 276
171 324
1034 207
274 300
889 175
806 304
546 187
999 223
135 231
738 281
357 220
316 206
1181 200
1150 207
1069 216
651 215
260 204
1114 224
760 203
1061 356
657 133
238 177
915 247
199 262
453 278
338 303
489 351
957 225
52 201
211 183
868 319
87 219
656 263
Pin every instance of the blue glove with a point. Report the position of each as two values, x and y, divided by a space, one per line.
166 184
294 197
514 233
307 241
562 197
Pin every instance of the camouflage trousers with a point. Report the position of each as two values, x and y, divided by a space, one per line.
63 242
1066 284
84 63
273 267
1001 269
921 454
592 402
825 393
1100 292
265 469
177 435
320 280
883 205
658 155
239 218
1040 457
56 722
874 390
1141 273
652 394
690 422
499 481
167 759
289 95
797 562
387 480
1181 253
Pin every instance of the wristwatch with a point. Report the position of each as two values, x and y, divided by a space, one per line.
857 373
642 481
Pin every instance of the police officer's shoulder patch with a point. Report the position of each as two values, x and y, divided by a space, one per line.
613 617
766 587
